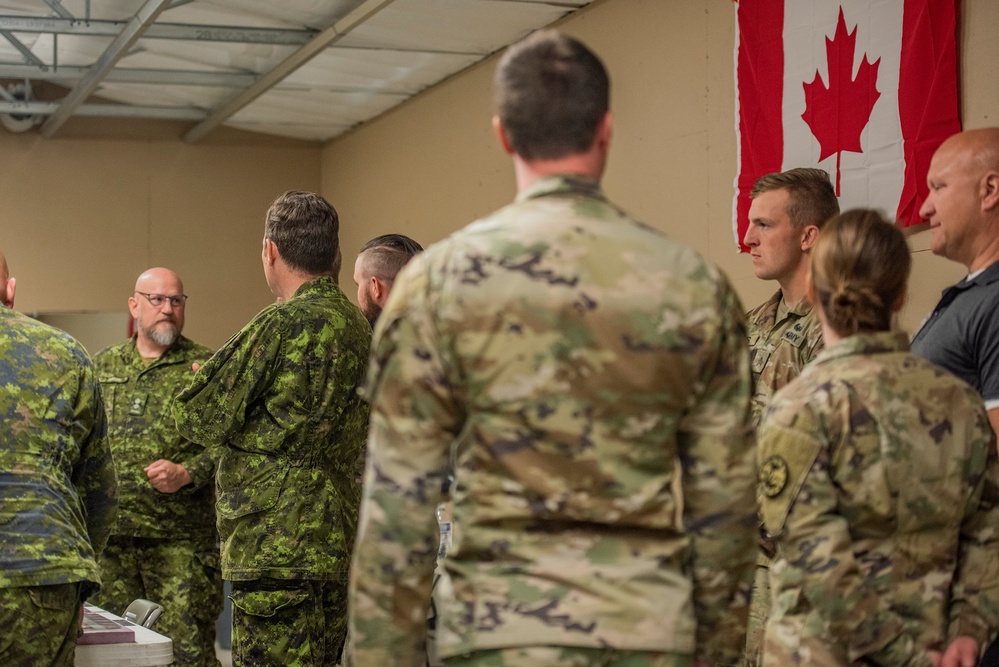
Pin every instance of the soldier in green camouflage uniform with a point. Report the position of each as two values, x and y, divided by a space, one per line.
788 209
57 488
163 547
589 379
280 400
879 480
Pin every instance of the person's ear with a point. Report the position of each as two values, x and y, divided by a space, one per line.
501 135
8 295
133 307
270 252
605 130
990 190
809 236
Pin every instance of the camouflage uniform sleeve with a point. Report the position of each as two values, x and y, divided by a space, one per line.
817 552
214 405
413 422
719 480
201 468
94 476
974 608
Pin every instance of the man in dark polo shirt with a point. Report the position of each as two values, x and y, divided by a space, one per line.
962 333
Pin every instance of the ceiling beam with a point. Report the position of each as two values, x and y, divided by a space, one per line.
57 7
106 111
166 77
25 51
105 63
188 31
268 80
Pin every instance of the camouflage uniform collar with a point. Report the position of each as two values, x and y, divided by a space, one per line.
879 342
317 285
173 354
561 184
768 309
802 308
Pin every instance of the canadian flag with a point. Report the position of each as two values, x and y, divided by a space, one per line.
865 90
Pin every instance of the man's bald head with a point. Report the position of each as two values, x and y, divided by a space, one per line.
158 308
158 279
962 205
6 283
979 147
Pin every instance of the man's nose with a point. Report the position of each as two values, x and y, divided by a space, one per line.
927 209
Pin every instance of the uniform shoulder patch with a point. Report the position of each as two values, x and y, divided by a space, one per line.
773 476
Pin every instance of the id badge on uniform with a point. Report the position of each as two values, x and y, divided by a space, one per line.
137 405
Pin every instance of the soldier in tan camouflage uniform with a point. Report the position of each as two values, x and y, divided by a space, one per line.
588 378
163 547
57 487
879 480
280 400
786 214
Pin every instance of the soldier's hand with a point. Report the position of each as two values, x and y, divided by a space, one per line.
195 367
167 476
962 652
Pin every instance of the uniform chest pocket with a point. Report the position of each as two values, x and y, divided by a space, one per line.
112 392
782 472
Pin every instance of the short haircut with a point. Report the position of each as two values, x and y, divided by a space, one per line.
305 228
860 267
384 256
551 93
811 197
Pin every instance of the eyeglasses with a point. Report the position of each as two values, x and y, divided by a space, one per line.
157 300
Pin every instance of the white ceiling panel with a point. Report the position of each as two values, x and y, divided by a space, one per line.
294 131
456 26
201 97
303 69
342 109
376 70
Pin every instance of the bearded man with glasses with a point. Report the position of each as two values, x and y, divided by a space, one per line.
163 547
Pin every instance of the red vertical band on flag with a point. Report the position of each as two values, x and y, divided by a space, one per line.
760 90
927 94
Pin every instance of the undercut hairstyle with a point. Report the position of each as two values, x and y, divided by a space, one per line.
305 228
384 256
811 196
860 267
551 93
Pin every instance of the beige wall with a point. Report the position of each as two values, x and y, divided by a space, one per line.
81 218
432 165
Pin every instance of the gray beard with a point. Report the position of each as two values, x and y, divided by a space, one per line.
165 337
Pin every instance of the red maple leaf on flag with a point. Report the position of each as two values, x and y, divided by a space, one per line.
839 112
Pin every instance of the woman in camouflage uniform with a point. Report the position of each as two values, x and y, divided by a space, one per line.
878 480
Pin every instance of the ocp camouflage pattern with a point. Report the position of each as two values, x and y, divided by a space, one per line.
780 350
588 378
58 494
880 483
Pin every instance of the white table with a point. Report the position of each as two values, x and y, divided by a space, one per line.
148 649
